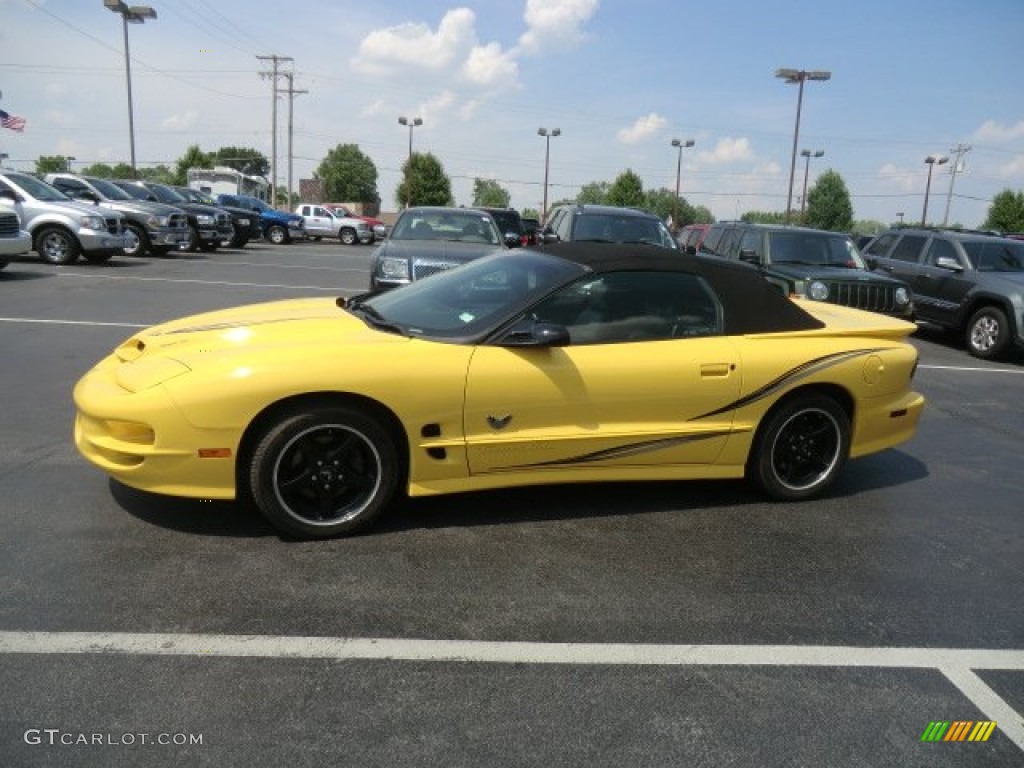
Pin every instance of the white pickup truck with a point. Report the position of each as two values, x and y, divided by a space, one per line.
321 222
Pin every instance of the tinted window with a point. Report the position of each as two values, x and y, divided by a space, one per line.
1001 256
710 243
940 249
881 245
561 224
751 241
908 248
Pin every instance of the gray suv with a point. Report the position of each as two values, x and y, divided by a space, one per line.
157 228
964 281
61 229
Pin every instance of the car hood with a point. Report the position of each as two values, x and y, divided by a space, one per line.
814 272
141 206
276 335
76 208
442 250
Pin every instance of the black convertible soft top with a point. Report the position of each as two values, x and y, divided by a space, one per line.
751 304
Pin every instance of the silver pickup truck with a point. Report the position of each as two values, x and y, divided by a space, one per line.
322 222
61 229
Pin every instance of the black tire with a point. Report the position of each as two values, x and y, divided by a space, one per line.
328 471
988 333
56 245
317 238
348 236
98 258
238 239
142 246
209 247
192 244
800 447
277 234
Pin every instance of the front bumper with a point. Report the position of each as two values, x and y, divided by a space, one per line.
167 236
102 241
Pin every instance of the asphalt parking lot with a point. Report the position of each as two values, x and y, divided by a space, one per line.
616 625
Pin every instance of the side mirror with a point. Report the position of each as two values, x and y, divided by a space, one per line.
872 263
547 236
947 262
530 333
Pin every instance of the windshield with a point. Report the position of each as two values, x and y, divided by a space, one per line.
473 298
815 249
466 226
195 196
166 194
40 190
134 190
110 190
619 228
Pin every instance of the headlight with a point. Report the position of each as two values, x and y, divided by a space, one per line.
394 269
902 296
817 290
93 222
243 222
159 221
204 219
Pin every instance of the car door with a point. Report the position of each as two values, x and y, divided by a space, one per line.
319 222
940 287
608 400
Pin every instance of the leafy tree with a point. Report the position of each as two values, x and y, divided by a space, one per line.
51 164
702 215
102 170
664 204
764 217
627 190
1007 212
424 182
348 175
596 193
194 157
828 204
285 199
161 174
530 213
868 227
243 159
489 193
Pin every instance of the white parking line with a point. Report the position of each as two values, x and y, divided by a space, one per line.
955 663
68 322
970 369
136 278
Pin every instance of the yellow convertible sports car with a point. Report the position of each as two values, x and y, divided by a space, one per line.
577 362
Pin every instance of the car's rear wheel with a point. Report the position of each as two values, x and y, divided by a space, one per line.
348 236
55 245
277 234
988 333
800 447
192 244
322 472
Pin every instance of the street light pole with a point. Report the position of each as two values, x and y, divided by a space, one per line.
807 166
412 122
798 76
932 161
136 14
679 143
547 156
67 163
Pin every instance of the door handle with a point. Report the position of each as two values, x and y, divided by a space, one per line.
716 370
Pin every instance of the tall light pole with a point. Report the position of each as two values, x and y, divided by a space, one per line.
547 157
68 161
798 76
412 122
959 150
932 161
135 14
679 143
807 167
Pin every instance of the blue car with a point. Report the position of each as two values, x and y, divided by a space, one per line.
278 226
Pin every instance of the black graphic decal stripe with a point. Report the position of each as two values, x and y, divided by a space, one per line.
633 449
791 377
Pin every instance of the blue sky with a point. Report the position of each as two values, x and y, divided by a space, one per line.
619 78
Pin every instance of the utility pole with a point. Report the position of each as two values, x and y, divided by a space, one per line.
959 150
273 75
292 93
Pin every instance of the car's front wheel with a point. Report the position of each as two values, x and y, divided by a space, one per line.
348 236
326 471
137 244
55 245
277 234
988 333
800 447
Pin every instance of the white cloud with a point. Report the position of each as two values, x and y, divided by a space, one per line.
643 128
414 46
900 178
376 108
180 122
489 65
728 150
992 130
1013 169
554 23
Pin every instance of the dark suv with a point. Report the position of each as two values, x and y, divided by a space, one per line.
969 282
509 223
604 224
813 263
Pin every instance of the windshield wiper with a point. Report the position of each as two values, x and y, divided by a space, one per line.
373 317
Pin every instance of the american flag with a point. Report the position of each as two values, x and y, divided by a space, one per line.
13 122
